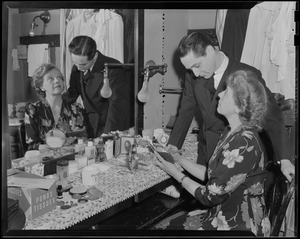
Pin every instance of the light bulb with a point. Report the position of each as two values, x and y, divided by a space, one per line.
105 91
143 94
31 33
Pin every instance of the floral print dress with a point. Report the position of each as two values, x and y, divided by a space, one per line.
234 193
39 120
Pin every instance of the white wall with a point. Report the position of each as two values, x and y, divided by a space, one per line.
160 46
51 28
19 25
202 19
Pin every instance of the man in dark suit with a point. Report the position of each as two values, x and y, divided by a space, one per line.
102 114
207 70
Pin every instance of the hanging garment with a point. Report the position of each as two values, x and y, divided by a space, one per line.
282 51
220 22
258 44
128 20
72 30
15 65
37 54
109 35
66 15
105 27
234 32
22 51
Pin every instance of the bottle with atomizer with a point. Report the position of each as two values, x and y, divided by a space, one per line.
134 159
100 152
79 147
80 157
90 152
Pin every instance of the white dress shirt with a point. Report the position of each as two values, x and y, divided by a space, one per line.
220 71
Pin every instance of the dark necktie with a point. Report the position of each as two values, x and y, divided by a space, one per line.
86 77
209 84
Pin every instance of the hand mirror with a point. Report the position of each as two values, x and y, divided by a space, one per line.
55 138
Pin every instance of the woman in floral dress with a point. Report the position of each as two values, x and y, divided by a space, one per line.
234 192
51 111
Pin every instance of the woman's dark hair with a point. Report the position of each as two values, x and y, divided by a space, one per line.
250 96
196 42
38 78
83 46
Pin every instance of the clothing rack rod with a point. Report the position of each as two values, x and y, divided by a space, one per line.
163 90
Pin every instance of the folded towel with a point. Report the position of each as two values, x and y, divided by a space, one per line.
37 54
22 51
15 65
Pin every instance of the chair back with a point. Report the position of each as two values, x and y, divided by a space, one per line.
278 195
22 137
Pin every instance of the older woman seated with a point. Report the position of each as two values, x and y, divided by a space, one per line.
233 193
51 111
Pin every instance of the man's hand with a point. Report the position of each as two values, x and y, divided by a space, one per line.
287 168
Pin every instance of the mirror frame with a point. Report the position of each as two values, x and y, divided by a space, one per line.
37 6
5 128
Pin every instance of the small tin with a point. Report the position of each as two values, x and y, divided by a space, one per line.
82 200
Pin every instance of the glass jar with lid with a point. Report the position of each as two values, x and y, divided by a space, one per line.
62 170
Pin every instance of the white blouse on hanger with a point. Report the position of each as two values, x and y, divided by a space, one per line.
109 35
268 45
105 27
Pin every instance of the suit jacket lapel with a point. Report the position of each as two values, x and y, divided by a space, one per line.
221 87
86 92
202 95
94 83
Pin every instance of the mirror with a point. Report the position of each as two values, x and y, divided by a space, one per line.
57 35
17 21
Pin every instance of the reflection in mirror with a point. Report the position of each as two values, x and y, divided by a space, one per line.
150 70
17 89
50 44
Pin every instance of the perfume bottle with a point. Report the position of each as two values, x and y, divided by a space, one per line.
59 192
100 152
133 158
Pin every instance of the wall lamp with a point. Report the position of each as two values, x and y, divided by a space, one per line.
106 90
45 17
150 70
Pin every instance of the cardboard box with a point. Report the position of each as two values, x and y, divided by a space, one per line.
50 163
33 201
